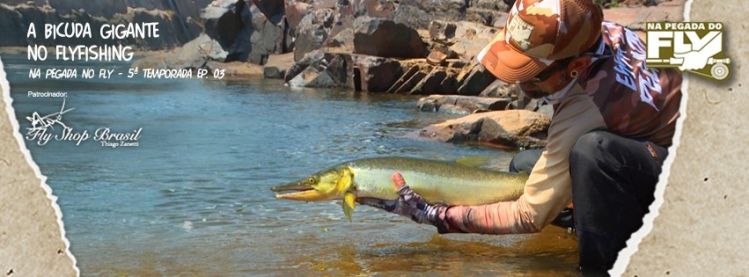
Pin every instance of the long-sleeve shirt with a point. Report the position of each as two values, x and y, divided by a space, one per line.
619 94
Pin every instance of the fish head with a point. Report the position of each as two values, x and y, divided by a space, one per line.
330 184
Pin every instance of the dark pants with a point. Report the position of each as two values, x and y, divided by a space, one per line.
613 181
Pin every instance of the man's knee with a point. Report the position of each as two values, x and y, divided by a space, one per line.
590 149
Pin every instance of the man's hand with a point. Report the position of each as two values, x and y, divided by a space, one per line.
409 204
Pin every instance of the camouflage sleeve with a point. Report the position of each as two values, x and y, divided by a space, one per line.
549 187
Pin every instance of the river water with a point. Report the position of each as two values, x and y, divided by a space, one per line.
193 198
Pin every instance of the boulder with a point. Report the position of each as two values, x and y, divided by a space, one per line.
277 65
244 30
469 104
386 38
375 74
313 31
194 54
504 129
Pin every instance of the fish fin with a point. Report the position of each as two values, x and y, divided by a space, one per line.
472 161
349 203
345 181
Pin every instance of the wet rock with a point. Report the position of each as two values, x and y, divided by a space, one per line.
514 128
277 65
375 74
470 104
386 38
313 31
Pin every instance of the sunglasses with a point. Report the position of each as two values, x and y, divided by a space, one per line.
558 65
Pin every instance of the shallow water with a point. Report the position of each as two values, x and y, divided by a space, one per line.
194 199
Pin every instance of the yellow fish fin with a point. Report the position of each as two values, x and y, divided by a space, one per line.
349 203
345 181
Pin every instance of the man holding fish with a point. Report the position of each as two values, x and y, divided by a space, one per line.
613 120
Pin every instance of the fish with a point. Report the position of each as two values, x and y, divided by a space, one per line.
438 182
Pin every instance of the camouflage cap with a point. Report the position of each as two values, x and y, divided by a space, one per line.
537 33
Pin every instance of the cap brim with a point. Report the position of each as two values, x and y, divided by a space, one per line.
509 64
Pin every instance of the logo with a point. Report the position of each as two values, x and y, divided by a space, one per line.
520 32
43 130
696 47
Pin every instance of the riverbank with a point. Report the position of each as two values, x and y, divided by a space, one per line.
406 48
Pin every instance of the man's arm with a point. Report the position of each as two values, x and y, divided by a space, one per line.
549 186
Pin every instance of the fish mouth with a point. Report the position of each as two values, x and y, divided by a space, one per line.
298 191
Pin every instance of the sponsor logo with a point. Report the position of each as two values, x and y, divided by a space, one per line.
696 47
46 128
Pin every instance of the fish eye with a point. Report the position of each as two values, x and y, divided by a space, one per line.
312 180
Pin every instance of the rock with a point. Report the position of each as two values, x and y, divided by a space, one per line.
386 38
488 12
437 56
515 128
375 74
277 65
322 70
295 11
470 38
442 31
471 104
312 32
418 13
374 8
475 81
344 40
194 54
178 20
499 88
244 30
430 83
272 9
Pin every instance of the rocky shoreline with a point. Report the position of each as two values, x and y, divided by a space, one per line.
410 47
406 47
